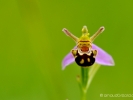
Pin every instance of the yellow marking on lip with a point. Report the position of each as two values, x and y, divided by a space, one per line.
74 52
95 53
82 61
88 59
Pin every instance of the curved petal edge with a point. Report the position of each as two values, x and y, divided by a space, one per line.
103 58
68 59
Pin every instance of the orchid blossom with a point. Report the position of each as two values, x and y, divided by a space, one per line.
102 58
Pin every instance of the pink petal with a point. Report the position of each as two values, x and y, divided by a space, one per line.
67 60
102 58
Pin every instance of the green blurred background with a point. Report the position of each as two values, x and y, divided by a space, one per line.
32 46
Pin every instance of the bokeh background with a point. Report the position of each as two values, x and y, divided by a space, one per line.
32 46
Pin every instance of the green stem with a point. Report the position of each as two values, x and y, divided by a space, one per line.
84 76
83 95
84 79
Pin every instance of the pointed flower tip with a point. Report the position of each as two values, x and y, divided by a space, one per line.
111 63
63 66
64 29
84 29
85 26
110 60
102 28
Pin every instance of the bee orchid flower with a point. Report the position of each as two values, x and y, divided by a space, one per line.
102 57
86 54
